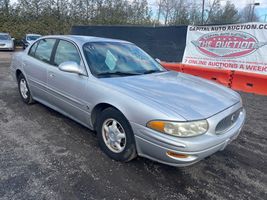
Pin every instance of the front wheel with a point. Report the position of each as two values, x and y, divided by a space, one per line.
24 90
115 135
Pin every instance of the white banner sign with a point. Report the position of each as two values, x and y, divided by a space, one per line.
240 47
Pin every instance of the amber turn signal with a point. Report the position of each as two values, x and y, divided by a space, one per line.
176 155
157 125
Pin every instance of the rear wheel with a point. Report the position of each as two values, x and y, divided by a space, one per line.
24 90
115 135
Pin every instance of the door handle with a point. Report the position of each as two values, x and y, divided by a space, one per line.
51 75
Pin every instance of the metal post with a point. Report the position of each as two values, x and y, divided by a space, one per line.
252 13
249 12
202 16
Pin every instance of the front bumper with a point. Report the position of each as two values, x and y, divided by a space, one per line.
7 47
154 145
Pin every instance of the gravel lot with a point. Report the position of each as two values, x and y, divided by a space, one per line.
44 155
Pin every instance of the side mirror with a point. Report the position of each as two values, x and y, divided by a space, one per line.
158 60
71 67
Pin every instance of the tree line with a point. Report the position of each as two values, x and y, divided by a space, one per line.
58 16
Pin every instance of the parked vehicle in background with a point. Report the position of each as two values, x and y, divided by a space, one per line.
29 39
135 105
6 42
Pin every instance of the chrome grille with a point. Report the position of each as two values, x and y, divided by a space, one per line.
227 122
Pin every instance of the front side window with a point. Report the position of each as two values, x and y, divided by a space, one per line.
44 49
66 51
107 59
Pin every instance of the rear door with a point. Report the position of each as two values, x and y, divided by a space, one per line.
35 66
67 90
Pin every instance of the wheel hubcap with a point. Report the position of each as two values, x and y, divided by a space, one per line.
23 88
114 135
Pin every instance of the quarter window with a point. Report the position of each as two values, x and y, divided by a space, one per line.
66 51
33 49
44 50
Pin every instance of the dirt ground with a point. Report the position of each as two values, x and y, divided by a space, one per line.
44 155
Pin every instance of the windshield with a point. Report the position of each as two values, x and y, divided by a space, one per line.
5 37
107 59
33 37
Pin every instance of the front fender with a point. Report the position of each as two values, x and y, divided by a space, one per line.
136 110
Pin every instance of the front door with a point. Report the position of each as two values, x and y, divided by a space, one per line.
66 90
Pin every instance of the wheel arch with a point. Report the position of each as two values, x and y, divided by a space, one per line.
96 111
18 73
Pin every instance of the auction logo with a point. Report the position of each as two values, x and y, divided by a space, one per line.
227 44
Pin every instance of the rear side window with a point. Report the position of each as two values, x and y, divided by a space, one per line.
44 50
33 49
66 51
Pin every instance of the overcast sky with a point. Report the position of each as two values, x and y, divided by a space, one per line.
260 10
238 3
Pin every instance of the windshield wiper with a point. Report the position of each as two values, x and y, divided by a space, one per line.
152 71
117 73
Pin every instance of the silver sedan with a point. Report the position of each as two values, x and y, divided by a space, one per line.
6 42
134 104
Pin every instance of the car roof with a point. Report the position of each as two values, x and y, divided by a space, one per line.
81 39
32 34
4 33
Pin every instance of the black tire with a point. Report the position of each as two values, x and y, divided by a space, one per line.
29 99
129 151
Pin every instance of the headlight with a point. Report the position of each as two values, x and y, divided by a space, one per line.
180 129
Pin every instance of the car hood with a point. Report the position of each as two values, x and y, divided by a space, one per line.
191 97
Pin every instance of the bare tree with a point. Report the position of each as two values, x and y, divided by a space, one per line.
167 7
213 10
229 14
245 14
218 14
180 13
159 3
195 14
